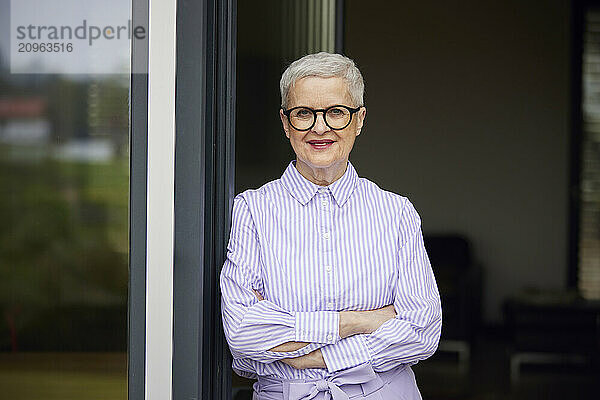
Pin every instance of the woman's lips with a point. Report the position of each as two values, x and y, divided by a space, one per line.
320 144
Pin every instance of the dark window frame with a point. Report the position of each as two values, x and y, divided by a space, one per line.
204 189
138 159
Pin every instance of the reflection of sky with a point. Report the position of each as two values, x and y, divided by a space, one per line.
105 56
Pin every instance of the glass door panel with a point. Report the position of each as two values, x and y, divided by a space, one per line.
64 182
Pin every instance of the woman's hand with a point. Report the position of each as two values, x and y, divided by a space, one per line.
378 317
258 295
357 322
351 323
311 360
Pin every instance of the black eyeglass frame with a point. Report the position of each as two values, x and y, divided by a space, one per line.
324 111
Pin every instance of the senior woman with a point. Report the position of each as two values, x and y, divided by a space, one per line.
327 291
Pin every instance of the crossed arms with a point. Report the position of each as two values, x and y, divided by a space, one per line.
351 323
258 329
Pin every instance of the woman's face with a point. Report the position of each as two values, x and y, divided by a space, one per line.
322 147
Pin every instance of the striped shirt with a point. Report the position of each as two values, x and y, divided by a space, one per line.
312 251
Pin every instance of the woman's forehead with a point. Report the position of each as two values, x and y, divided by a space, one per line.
319 92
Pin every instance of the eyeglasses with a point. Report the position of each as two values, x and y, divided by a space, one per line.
336 117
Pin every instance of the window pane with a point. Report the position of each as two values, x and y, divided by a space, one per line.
64 182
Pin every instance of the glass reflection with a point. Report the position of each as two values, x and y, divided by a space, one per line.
64 179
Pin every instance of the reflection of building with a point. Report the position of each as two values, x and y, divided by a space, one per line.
23 120
85 150
107 106
25 125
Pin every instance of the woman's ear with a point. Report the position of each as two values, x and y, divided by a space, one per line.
284 122
361 114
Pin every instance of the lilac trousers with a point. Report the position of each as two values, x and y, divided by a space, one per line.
360 382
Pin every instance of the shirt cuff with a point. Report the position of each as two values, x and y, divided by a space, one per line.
318 327
346 353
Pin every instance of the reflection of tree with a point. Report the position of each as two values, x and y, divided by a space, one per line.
63 241
64 229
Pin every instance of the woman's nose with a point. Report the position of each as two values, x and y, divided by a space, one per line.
320 125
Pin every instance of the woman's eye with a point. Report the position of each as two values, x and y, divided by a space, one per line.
303 113
335 112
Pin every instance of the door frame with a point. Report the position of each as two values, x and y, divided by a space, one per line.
182 139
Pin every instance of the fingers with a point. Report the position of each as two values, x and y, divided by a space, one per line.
258 295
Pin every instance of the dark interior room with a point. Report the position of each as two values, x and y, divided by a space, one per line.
484 114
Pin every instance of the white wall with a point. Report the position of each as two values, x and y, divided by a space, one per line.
468 115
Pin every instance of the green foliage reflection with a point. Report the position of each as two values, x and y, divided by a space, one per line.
63 254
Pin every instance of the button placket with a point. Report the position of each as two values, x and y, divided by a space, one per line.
332 266
324 202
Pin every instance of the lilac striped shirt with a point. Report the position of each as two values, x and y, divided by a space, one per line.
313 251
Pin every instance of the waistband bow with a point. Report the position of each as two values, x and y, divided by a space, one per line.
360 375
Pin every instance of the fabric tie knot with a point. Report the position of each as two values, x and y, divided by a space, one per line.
362 375
322 385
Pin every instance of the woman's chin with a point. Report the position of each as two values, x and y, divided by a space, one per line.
323 164
320 161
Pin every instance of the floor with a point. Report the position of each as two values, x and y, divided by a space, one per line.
63 376
487 377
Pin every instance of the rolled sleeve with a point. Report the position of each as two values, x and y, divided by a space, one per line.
346 353
317 327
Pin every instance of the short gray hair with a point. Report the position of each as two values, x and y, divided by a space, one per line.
323 65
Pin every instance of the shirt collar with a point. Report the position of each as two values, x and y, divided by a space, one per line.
303 190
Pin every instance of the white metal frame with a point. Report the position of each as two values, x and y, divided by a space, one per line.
160 199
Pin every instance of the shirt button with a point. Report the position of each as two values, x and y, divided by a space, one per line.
326 235
328 268
330 337
330 305
324 203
